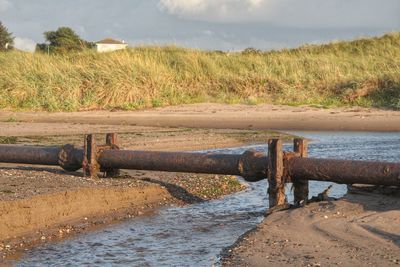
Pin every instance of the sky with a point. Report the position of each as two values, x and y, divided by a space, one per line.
227 25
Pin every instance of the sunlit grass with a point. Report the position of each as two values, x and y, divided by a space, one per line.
364 72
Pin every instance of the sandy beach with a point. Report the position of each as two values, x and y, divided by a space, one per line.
362 228
27 192
222 116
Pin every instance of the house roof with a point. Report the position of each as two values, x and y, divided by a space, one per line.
109 41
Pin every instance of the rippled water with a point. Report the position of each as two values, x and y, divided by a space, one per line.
194 235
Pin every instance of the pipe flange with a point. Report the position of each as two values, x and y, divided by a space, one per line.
67 159
246 166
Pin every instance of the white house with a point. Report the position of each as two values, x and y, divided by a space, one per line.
108 45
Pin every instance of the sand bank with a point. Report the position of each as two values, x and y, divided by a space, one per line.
359 230
263 117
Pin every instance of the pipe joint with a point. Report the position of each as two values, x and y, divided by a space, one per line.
248 166
67 158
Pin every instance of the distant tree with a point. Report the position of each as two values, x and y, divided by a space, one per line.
6 38
251 50
63 40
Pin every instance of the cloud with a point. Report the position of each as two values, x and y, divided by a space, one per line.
4 5
24 44
289 13
209 9
254 3
209 24
183 7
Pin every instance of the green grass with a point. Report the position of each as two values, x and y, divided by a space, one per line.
12 119
7 192
364 72
8 140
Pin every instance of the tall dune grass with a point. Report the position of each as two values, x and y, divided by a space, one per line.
363 72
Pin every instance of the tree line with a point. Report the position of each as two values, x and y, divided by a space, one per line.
6 38
62 40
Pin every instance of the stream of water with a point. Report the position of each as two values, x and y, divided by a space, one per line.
195 235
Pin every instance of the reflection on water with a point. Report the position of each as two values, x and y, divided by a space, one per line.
194 235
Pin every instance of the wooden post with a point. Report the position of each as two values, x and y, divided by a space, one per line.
111 139
300 186
276 189
112 143
90 165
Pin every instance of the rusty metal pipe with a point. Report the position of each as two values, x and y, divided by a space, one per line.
187 162
170 161
344 171
29 155
251 165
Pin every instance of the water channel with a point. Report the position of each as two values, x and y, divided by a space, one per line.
195 235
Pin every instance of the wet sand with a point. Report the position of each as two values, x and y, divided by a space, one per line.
361 229
356 222
41 203
221 116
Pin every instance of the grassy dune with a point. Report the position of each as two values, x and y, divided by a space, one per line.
363 72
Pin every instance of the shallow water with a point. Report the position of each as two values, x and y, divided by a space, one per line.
196 234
